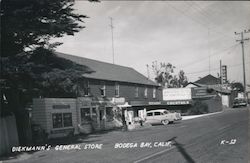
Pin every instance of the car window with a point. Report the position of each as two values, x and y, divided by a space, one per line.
157 113
149 114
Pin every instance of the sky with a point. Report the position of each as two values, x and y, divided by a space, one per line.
192 35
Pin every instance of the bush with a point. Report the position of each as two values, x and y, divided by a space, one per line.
198 108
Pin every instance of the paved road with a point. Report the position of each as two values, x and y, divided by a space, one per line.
201 140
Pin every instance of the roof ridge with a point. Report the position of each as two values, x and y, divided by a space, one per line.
109 71
56 52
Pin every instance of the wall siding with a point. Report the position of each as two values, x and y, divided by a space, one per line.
126 90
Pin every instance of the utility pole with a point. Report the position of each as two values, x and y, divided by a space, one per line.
242 40
221 74
113 50
209 50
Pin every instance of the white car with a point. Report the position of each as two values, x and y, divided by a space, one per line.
160 116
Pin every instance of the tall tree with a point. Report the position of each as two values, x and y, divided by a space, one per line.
32 23
27 57
183 81
29 66
165 75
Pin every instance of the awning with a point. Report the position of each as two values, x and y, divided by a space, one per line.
126 105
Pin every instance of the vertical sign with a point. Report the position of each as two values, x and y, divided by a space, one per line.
224 74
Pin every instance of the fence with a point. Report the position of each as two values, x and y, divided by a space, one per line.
8 134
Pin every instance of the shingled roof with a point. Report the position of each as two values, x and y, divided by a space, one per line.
107 71
208 80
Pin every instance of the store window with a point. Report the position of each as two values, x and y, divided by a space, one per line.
154 92
61 120
117 89
103 89
136 91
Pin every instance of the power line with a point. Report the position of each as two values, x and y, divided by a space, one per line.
229 67
197 21
211 55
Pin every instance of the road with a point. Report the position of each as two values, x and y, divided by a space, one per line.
216 138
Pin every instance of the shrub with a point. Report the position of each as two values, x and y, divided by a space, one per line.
199 108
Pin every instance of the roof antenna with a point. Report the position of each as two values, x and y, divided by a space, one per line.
113 50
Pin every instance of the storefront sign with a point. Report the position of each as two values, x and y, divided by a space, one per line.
176 94
118 100
154 103
61 106
202 92
178 102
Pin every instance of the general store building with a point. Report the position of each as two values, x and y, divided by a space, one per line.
100 92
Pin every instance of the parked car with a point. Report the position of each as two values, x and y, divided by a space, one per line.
160 116
238 102
177 116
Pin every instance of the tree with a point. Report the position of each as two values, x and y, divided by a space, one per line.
27 58
183 81
164 75
237 86
27 24
29 67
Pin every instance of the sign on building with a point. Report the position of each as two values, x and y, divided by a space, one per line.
202 92
224 74
170 94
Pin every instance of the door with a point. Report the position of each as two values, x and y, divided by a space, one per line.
158 117
150 117
102 118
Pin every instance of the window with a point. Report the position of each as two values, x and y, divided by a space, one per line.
149 114
117 87
136 91
154 92
85 115
157 113
86 88
103 89
146 92
60 120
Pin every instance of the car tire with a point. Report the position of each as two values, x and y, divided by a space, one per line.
165 122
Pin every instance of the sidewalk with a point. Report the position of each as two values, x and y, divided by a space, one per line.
197 116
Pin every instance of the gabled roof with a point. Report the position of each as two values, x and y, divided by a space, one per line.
220 89
107 71
191 84
208 80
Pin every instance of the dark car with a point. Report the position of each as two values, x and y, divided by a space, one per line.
238 102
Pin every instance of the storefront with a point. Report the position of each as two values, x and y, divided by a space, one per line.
60 117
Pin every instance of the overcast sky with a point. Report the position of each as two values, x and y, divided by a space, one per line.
182 33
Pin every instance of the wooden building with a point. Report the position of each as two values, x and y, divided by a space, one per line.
100 92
